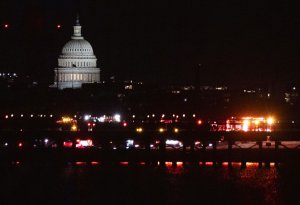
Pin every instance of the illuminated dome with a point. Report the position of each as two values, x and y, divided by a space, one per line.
77 63
78 47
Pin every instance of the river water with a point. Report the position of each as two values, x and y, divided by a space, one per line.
125 184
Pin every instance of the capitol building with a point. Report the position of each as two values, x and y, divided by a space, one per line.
77 63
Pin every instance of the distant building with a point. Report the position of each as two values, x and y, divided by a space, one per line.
77 63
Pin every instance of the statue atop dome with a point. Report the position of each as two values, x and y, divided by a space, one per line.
77 20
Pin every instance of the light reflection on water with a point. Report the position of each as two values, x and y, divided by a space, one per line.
174 183
263 180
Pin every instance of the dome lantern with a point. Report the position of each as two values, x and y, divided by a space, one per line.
77 30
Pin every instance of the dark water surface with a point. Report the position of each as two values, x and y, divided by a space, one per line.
124 184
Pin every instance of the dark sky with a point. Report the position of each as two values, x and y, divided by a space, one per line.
237 42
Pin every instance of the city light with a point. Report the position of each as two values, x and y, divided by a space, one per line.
83 143
68 144
87 117
139 129
161 130
80 163
246 123
270 121
101 119
117 118
129 143
174 143
66 120
257 124
176 130
74 128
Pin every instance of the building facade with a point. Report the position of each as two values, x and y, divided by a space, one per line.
77 63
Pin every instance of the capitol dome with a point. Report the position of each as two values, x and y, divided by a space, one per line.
77 63
77 48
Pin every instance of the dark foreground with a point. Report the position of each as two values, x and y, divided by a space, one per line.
141 184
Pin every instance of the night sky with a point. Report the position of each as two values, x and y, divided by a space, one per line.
237 42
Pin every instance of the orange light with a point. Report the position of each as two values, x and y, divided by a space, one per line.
139 129
74 128
252 164
176 130
270 121
66 119
161 130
